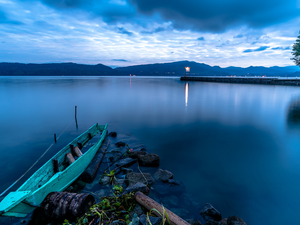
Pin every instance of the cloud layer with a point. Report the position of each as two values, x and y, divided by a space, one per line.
126 32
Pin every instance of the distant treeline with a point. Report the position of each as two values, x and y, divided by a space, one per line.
158 69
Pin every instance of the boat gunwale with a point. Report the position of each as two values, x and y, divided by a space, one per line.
57 155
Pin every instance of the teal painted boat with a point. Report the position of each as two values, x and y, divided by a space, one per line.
44 181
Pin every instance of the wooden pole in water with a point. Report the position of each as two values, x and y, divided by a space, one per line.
76 117
150 204
75 112
55 138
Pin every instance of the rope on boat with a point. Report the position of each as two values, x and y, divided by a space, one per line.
35 161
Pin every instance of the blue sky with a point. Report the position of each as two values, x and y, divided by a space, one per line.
130 32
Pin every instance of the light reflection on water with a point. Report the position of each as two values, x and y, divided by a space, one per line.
233 145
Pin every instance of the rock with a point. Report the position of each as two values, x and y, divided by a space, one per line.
212 222
112 134
209 212
190 221
126 162
163 175
197 222
135 154
138 187
138 210
104 180
23 221
135 220
172 181
120 182
153 220
120 144
100 193
126 170
118 222
150 159
234 220
143 149
223 221
145 178
170 200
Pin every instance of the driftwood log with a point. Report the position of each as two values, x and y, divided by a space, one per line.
77 151
64 205
90 173
149 204
70 158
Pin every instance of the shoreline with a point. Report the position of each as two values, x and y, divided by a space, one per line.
246 80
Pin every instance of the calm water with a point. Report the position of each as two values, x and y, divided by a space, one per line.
236 146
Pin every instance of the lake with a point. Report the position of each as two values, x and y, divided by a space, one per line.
236 146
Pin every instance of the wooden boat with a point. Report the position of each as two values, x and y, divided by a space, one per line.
46 180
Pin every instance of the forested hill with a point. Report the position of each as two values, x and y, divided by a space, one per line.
158 69
55 69
174 69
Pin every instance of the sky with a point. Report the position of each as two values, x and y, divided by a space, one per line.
132 32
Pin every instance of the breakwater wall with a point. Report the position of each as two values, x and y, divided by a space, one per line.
245 80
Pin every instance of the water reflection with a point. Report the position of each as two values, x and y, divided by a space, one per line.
186 91
293 114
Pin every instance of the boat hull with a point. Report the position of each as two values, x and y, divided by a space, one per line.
47 181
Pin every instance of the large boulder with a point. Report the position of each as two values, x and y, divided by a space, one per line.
145 178
163 175
135 154
112 134
153 220
234 220
137 187
120 144
151 160
210 213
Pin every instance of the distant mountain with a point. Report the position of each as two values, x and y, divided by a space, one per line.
54 69
260 70
158 69
201 69
173 69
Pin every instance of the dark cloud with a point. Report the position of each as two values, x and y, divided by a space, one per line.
67 3
238 36
120 60
219 15
122 30
281 48
212 16
262 48
200 39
